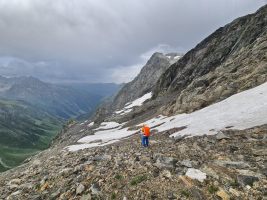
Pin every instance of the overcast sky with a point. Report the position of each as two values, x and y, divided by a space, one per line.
104 40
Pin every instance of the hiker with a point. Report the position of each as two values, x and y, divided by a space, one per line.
146 133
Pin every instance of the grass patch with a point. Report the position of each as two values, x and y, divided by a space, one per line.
234 183
185 193
138 179
113 196
118 177
213 189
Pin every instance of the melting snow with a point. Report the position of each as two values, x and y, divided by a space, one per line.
177 57
243 110
196 174
107 125
91 124
86 146
102 137
138 102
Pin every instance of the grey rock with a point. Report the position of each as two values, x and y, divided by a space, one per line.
186 163
80 189
95 189
86 197
165 162
246 180
221 136
233 164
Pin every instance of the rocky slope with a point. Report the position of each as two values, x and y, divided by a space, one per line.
232 165
142 84
232 59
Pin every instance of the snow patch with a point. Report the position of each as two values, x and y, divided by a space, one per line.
177 57
241 111
196 174
107 125
113 133
138 102
77 147
91 124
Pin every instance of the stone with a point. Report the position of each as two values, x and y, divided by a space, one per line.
86 197
233 164
220 136
95 189
234 192
246 180
186 163
65 172
222 194
196 174
15 181
166 162
80 189
166 174
197 194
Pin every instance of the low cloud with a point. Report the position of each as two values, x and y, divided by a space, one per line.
104 40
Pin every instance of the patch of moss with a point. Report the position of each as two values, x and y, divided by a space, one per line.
138 179
213 189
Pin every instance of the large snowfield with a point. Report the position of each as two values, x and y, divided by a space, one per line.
240 111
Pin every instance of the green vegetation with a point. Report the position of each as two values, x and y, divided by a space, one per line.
185 193
113 196
213 189
234 183
24 130
118 177
138 179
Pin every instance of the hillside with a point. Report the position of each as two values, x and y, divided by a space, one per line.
109 162
230 60
24 130
63 101
143 83
208 118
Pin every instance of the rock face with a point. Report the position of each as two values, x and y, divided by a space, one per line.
232 59
145 80
142 84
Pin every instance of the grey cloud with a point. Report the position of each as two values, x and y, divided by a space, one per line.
97 41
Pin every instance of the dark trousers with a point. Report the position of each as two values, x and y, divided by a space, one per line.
145 141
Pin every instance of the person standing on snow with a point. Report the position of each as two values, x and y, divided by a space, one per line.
146 133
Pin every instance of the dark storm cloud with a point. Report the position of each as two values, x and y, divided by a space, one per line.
103 40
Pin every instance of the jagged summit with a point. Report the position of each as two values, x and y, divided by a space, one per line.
143 83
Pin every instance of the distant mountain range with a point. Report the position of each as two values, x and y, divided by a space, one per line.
32 112
63 101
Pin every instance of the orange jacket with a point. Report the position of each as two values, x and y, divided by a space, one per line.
146 131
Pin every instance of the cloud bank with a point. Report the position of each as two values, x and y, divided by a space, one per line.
103 40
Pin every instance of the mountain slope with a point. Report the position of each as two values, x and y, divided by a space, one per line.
143 83
230 60
61 101
145 80
24 130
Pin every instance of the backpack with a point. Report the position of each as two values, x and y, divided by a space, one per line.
146 131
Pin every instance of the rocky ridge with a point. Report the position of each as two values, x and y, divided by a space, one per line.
142 84
230 60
